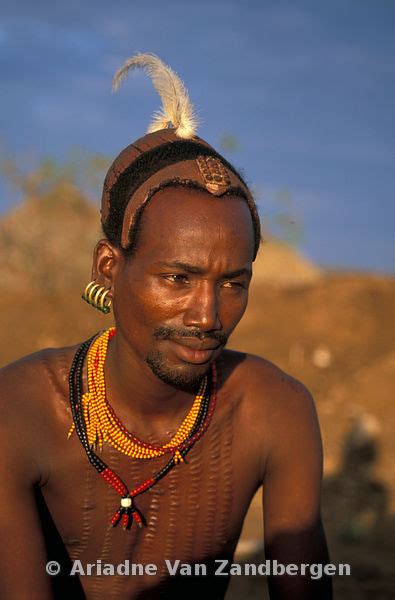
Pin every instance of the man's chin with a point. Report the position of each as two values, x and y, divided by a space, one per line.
183 375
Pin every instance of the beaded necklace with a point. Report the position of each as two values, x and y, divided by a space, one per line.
102 424
128 512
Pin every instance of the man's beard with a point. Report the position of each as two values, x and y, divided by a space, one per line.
179 378
186 377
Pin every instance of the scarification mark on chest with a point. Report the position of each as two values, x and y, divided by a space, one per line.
157 517
87 504
194 502
56 381
131 538
223 519
172 521
96 589
213 482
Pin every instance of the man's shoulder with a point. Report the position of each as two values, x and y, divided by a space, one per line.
34 407
36 375
275 409
264 386
250 370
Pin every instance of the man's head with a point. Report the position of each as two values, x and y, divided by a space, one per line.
180 295
160 160
182 232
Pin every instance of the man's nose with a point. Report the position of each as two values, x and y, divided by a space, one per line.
202 310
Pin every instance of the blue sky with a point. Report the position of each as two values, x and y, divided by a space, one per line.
307 88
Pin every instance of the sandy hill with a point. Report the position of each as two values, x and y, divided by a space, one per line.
283 266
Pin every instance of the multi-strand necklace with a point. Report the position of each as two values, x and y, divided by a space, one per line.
95 423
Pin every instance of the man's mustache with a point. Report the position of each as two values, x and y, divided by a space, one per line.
166 333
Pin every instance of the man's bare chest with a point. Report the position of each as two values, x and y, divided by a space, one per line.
193 514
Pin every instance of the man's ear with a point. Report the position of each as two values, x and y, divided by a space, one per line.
107 262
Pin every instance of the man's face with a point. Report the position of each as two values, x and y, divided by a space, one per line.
184 290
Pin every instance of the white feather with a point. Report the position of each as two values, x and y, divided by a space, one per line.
177 108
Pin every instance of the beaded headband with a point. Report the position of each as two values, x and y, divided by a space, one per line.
171 148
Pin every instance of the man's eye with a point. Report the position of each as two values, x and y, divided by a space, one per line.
232 284
177 278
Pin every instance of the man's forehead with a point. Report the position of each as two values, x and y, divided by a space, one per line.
181 230
178 201
178 217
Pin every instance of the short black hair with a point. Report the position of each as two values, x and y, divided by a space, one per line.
146 165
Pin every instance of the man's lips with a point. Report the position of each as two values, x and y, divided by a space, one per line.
195 343
193 350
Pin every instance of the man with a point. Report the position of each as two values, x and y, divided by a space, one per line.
170 435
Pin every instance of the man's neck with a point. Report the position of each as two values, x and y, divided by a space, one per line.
133 389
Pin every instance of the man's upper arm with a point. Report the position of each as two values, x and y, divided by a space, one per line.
291 492
22 548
